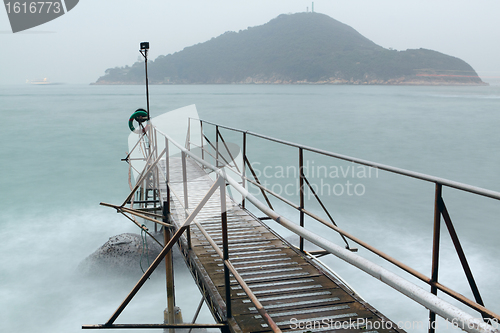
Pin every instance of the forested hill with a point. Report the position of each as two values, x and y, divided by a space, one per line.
297 48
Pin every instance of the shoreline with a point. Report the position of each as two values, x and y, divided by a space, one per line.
409 83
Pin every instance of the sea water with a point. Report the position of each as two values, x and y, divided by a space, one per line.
60 157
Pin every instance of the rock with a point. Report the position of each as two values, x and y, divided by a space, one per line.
124 254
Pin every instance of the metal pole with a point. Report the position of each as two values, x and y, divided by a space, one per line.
435 251
216 146
169 267
197 313
461 256
145 187
157 178
301 184
147 87
141 196
188 135
201 138
225 249
154 206
145 55
167 168
231 157
244 166
186 199
167 234
258 182
222 327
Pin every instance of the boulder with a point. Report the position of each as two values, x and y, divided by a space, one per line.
126 253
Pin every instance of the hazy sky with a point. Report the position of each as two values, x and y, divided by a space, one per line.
98 34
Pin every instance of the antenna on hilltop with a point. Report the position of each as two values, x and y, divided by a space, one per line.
312 7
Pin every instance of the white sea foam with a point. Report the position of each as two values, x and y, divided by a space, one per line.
61 156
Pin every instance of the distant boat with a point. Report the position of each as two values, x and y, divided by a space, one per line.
44 81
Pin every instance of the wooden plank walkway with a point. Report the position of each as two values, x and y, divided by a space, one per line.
291 287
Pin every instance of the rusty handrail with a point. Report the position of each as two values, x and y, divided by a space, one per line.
400 171
425 298
397 263
435 285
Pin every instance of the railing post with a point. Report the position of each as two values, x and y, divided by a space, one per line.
167 160
144 193
216 146
201 137
167 169
301 184
186 199
156 190
435 250
155 197
188 135
225 245
244 167
167 235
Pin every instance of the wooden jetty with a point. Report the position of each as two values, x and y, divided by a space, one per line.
252 279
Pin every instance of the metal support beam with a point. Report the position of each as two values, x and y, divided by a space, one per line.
461 255
225 244
243 172
231 157
186 198
327 214
120 209
169 267
142 177
197 312
245 160
180 326
302 200
202 143
435 251
217 146
146 275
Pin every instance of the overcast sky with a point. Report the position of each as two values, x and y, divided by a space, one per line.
98 34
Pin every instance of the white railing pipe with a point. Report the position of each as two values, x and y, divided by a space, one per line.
442 308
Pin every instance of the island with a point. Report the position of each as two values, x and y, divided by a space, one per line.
301 48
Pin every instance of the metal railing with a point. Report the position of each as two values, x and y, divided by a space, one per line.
149 144
440 209
429 300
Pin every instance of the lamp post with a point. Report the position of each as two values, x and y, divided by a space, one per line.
144 51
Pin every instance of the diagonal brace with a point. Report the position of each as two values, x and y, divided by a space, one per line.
163 253
141 178
461 254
